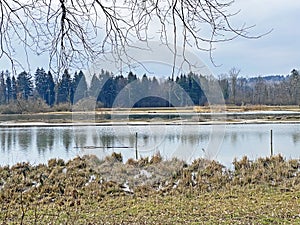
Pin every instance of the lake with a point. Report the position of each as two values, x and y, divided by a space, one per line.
221 142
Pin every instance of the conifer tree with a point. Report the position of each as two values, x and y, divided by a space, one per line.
50 91
8 89
41 83
24 85
2 89
64 87
95 86
14 88
79 87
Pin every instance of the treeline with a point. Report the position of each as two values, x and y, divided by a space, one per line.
41 86
267 90
109 90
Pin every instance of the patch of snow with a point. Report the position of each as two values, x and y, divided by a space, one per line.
126 188
194 180
176 184
2 186
35 184
145 173
65 170
92 178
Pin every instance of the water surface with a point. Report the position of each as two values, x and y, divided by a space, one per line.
220 142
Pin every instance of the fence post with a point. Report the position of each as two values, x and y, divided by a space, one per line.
136 150
271 136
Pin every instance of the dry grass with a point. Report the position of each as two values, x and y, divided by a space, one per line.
92 191
262 108
244 108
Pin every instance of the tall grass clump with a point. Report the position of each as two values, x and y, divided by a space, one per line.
272 170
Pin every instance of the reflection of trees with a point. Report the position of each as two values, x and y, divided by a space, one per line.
132 140
123 140
24 137
107 140
171 137
154 138
190 143
2 140
44 140
95 139
14 138
51 137
80 139
296 138
260 136
41 141
233 138
193 139
67 138
7 140
146 139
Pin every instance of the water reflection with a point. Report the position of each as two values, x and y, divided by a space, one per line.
296 138
3 140
67 138
45 140
186 142
24 138
233 138
95 139
80 139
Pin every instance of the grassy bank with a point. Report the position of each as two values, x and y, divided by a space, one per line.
151 191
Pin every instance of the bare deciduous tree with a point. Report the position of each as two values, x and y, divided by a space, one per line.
234 73
75 32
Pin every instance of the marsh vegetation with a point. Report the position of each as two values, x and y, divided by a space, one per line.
151 190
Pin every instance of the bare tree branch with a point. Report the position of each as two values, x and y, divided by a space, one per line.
76 32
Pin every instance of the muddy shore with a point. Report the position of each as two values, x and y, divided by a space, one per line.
147 117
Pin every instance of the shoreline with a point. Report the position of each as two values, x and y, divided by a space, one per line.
156 116
12 124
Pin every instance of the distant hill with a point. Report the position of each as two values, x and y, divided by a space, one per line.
268 78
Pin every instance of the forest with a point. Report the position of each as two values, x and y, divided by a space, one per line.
42 90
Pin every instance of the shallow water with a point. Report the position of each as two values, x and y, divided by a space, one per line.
220 142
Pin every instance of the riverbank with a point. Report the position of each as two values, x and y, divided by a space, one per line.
151 191
145 116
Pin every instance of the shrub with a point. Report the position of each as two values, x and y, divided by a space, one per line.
25 106
115 157
132 162
85 104
156 158
62 107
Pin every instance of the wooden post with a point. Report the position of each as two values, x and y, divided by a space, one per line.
271 142
136 150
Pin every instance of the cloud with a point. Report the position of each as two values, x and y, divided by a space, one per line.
275 53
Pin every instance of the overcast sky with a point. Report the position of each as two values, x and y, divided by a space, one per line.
275 53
